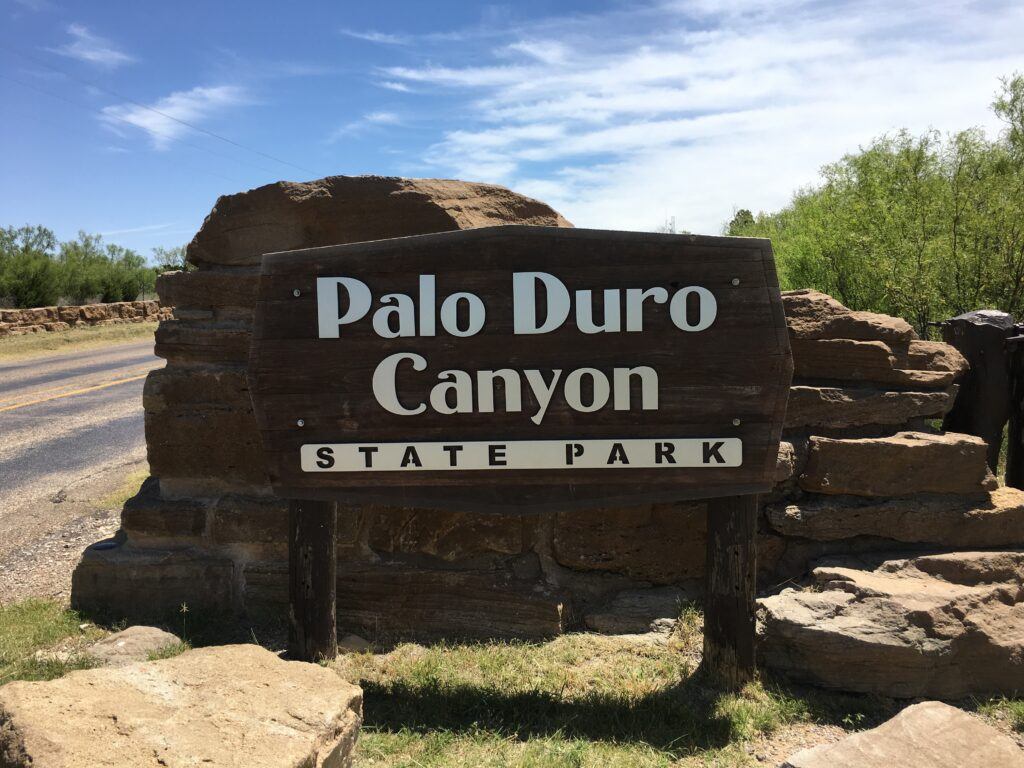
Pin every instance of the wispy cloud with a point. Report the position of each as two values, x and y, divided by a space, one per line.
394 85
683 108
165 119
133 230
93 49
366 121
372 36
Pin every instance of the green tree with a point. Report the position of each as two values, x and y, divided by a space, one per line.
171 259
924 227
28 275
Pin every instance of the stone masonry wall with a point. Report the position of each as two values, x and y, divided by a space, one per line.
860 467
15 322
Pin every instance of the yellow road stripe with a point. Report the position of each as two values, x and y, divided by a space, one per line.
35 393
74 392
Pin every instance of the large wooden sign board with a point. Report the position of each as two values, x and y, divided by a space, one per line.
521 368
514 369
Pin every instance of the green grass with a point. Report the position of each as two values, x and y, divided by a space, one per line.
35 625
169 651
579 700
36 344
1006 709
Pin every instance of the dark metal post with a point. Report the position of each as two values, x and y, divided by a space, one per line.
731 574
1015 437
983 403
312 580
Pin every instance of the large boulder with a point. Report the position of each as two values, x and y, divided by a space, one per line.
993 520
926 735
347 209
226 706
815 315
905 463
941 626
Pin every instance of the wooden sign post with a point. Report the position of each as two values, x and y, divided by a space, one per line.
511 369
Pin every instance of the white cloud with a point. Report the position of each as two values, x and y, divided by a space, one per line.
165 119
90 48
366 121
394 85
372 36
686 109
547 51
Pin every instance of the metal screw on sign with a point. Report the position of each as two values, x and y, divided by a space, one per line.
736 422
296 293
300 423
735 281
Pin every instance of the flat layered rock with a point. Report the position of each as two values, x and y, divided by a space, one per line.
926 735
838 407
900 465
225 706
636 611
937 626
394 599
870 362
812 314
349 209
993 520
662 543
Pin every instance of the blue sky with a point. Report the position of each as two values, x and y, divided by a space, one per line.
620 114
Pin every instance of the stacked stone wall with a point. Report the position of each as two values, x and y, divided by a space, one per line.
16 322
860 468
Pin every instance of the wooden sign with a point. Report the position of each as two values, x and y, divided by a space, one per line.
521 368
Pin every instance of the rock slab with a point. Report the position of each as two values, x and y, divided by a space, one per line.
131 645
236 705
993 520
942 626
926 735
905 463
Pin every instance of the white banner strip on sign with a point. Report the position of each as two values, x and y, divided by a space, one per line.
657 453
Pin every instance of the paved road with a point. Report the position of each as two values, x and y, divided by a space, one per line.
66 422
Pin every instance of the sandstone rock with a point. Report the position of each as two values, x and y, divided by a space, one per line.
139 583
193 441
941 626
934 356
156 521
446 535
204 342
398 600
811 314
926 735
995 520
131 645
347 209
354 644
906 463
869 362
227 706
207 290
636 611
205 388
785 464
838 408
662 544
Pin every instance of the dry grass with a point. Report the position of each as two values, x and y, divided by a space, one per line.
39 344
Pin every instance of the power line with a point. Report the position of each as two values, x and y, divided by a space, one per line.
127 122
155 111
